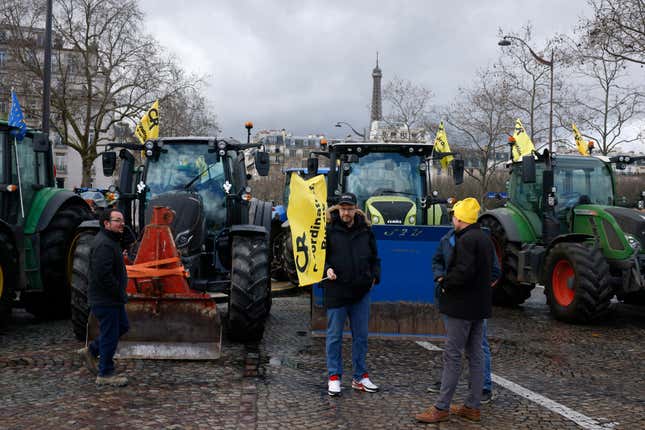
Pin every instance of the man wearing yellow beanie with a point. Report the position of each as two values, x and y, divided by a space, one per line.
465 302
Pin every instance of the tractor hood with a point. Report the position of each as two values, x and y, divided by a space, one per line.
391 210
630 221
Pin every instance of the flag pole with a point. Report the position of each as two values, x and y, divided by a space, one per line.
22 205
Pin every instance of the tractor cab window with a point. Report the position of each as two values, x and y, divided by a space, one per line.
385 174
24 160
582 181
528 196
183 163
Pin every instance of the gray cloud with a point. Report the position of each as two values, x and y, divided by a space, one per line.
303 65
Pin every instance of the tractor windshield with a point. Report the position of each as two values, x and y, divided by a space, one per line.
389 173
178 165
582 180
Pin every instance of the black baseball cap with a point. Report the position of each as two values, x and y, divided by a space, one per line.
347 199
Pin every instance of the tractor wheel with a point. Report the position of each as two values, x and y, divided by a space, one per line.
8 277
577 282
288 259
507 291
250 296
277 258
55 264
80 283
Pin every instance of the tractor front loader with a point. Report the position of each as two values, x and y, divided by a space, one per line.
195 233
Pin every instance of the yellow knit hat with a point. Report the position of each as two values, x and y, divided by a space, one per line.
467 210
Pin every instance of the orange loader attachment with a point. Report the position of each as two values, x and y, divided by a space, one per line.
168 320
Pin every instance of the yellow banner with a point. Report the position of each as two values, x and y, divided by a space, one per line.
441 145
523 144
307 208
583 148
148 127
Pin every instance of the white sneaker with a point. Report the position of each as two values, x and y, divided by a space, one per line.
333 387
364 385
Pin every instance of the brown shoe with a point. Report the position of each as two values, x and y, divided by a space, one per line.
466 412
112 380
432 415
91 362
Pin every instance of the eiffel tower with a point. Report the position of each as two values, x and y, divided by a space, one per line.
377 112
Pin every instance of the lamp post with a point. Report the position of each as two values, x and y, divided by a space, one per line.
506 41
47 68
338 124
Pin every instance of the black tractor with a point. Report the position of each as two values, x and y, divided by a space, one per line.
219 230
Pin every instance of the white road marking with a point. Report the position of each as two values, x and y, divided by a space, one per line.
583 421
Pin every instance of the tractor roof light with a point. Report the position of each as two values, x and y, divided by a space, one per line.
149 145
410 150
359 149
221 144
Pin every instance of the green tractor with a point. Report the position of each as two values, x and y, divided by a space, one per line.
37 225
561 228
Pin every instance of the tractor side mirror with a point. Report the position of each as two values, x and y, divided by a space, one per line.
109 162
312 166
458 171
41 143
528 169
262 163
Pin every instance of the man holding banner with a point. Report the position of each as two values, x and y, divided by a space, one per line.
352 267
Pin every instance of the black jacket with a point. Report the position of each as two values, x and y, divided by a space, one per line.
352 253
108 277
465 291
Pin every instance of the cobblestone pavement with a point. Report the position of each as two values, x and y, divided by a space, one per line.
597 371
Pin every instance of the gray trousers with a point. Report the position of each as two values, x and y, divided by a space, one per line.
462 335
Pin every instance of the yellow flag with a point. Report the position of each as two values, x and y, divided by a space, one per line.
148 127
583 149
523 144
441 145
307 209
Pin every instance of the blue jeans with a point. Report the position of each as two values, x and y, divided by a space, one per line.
488 381
113 323
359 316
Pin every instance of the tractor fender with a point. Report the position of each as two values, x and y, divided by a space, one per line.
92 224
569 238
516 227
53 204
248 230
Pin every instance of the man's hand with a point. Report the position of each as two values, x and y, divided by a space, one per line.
331 275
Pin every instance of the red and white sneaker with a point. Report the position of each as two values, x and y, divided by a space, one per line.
364 384
333 386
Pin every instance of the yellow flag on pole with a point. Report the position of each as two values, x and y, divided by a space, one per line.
148 127
523 144
307 220
583 148
441 145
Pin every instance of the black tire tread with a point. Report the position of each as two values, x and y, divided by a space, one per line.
250 295
288 259
9 265
80 284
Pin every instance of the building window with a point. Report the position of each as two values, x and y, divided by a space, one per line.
3 107
61 163
3 58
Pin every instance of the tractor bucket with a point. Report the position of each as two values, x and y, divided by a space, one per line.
403 304
167 319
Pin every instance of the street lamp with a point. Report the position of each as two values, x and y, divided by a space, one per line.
338 124
507 42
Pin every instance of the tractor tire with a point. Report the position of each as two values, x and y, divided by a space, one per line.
250 295
80 283
288 259
277 258
577 283
8 277
56 264
507 292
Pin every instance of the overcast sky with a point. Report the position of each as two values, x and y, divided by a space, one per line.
304 65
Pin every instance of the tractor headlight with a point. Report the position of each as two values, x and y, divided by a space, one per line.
412 219
149 145
375 219
633 242
148 152
221 144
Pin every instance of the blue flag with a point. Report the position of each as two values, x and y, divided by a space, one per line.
16 118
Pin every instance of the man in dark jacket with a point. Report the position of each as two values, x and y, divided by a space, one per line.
465 302
107 297
440 262
352 267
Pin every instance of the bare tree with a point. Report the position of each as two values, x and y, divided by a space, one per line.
408 103
105 70
186 113
482 118
618 29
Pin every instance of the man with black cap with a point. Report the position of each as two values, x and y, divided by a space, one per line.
352 268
